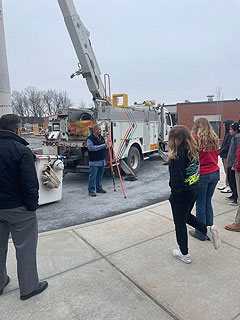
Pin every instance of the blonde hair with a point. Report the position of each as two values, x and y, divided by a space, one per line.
180 138
206 138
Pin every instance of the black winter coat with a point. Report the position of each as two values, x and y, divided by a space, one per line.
227 140
18 177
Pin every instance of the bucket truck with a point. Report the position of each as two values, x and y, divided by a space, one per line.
137 131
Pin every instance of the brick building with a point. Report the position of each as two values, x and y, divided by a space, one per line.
215 111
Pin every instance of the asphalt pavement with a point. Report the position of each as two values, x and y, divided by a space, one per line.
76 207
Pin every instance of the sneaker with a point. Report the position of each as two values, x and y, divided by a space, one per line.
7 282
194 235
232 227
41 287
234 203
101 191
183 257
222 188
92 194
212 233
226 190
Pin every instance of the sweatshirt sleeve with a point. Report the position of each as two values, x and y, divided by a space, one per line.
225 147
92 147
177 175
235 150
29 181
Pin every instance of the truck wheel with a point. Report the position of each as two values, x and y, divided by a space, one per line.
134 159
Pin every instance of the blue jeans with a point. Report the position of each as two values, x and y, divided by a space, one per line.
95 178
204 210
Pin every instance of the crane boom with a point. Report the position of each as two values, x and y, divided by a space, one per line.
88 66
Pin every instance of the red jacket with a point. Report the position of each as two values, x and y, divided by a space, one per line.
208 160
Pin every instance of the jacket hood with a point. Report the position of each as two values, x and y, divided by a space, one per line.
4 134
227 124
237 136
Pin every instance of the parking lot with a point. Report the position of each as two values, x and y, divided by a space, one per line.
77 207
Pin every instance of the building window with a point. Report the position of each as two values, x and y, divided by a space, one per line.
215 121
216 127
168 119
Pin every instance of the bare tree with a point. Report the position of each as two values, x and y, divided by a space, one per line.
37 103
61 100
82 105
18 103
48 97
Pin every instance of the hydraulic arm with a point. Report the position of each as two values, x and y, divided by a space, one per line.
88 66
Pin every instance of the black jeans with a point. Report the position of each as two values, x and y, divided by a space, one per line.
181 208
232 182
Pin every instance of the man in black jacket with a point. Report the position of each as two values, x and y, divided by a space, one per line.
18 204
97 160
223 154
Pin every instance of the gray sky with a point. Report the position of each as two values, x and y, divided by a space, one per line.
167 50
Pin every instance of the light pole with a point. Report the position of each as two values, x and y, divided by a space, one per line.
5 93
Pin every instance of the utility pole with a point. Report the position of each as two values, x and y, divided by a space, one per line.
5 93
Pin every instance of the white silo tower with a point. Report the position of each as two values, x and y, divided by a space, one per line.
5 93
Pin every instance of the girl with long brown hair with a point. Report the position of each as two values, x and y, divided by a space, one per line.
184 175
207 142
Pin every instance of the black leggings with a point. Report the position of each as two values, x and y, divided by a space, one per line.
232 182
181 208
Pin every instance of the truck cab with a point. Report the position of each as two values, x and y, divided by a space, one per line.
165 121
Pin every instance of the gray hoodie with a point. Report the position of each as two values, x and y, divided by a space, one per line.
231 157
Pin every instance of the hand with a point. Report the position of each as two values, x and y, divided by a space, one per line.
108 144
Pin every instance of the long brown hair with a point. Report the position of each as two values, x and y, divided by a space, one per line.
206 138
180 137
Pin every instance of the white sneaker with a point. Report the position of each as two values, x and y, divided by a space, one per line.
222 188
234 203
226 190
212 233
183 257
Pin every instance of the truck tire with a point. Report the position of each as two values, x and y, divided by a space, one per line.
134 159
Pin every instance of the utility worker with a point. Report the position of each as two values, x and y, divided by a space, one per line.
97 160
18 204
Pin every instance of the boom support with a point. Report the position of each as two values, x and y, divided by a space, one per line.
88 66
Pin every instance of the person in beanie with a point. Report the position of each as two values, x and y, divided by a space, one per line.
231 161
223 154
97 160
18 205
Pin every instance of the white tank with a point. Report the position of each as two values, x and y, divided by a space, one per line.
5 93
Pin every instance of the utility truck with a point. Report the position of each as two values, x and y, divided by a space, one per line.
137 131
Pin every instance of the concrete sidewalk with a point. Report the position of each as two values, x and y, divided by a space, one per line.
122 268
